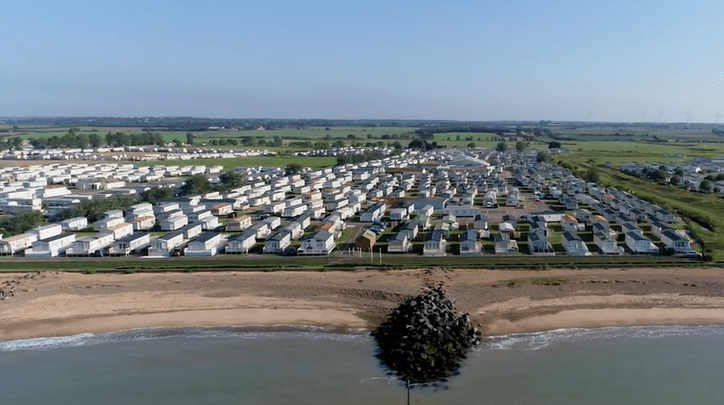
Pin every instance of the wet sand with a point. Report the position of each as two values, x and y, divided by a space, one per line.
499 301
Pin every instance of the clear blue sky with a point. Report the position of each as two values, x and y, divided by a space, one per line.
469 60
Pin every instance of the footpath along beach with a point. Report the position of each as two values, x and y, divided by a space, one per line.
499 301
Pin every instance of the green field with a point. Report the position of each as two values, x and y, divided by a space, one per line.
348 135
462 139
636 133
641 152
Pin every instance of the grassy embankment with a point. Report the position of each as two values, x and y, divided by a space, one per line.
322 263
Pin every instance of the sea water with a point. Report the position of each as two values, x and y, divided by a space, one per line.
647 365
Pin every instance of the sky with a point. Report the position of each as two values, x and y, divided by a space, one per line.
625 61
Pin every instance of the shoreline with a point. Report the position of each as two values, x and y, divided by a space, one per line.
230 331
501 302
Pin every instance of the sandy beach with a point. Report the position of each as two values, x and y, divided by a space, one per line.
499 301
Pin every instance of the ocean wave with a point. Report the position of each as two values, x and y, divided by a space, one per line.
539 340
46 343
229 332
524 341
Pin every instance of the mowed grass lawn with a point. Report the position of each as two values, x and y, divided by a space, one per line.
311 133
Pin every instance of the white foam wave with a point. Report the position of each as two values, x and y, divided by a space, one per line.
47 342
246 332
539 340
380 380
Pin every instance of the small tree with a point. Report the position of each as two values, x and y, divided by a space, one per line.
542 156
189 138
292 168
196 184
501 147
554 145
520 146
593 174
231 179
706 186
425 338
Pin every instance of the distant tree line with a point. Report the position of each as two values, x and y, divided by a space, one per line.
76 139
423 145
359 157
429 132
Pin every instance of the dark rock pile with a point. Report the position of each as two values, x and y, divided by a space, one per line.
425 338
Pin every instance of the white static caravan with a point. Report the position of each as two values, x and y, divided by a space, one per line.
238 224
208 244
275 207
278 242
574 245
173 223
399 243
222 209
241 243
319 243
399 214
130 244
569 223
373 213
164 245
51 247
191 231
198 215
143 223
294 211
47 231
295 228
469 243
675 241
317 213
119 231
139 210
435 244
640 244
89 245
74 224
14 244
209 223
261 230
606 244
274 222
538 242
165 208
108 223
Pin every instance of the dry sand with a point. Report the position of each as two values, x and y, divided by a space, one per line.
54 304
